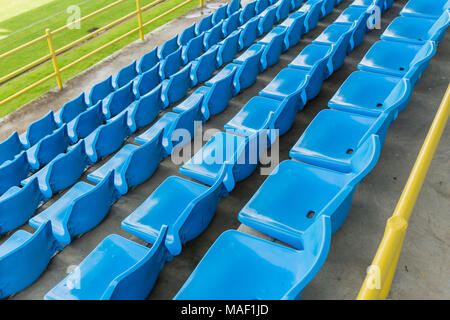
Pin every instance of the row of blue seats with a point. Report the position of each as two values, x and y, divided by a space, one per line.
68 215
324 176
170 224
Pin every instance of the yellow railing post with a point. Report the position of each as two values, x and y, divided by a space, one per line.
388 252
139 16
202 2
48 33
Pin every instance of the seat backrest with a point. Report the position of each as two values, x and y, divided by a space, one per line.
100 91
119 100
284 6
125 75
399 96
111 136
70 110
177 86
168 47
364 159
213 36
87 122
231 23
147 81
193 49
187 35
233 6
228 48
261 5
41 128
205 66
249 32
148 61
171 64
148 107
52 145
268 20
220 14
10 148
439 27
14 172
248 12
204 25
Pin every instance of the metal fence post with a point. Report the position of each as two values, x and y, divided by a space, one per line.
202 2
139 16
53 55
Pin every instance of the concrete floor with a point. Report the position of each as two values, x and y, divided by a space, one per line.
423 270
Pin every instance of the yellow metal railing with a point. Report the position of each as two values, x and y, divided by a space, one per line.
380 274
53 53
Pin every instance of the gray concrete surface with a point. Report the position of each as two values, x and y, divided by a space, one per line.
423 271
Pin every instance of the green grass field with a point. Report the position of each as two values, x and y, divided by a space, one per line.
24 20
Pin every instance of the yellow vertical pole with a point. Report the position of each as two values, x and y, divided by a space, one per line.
139 16
53 55
202 2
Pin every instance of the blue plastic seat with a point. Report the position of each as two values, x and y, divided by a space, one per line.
358 16
193 49
17 205
273 47
147 81
171 64
242 267
70 110
267 19
249 67
118 101
218 91
79 210
10 148
261 113
261 5
100 91
55 176
132 165
368 3
193 101
168 47
187 35
249 32
231 24
220 14
24 257
297 194
13 172
148 61
185 207
417 30
206 165
107 139
38 130
295 4
233 6
117 269
348 131
203 67
370 94
248 12
425 9
176 87
125 75
337 36
213 36
228 48
204 25
398 59
48 148
283 8
294 25
327 7
171 124
313 11
86 123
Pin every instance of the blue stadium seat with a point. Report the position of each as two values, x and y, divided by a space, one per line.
118 101
294 25
297 194
147 81
168 47
213 36
261 5
249 66
125 75
148 61
55 176
176 87
13 172
70 110
187 35
398 59
10 148
185 206
273 47
107 138
242 267
193 49
204 25
368 3
370 94
313 9
117 269
327 7
17 205
203 67
86 123
228 48
231 23
218 91
220 14
359 17
348 131
248 12
206 165
38 130
249 32
267 19
425 9
79 210
193 101
132 165
24 257
171 64
283 8
233 6
417 30
100 91
48 148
